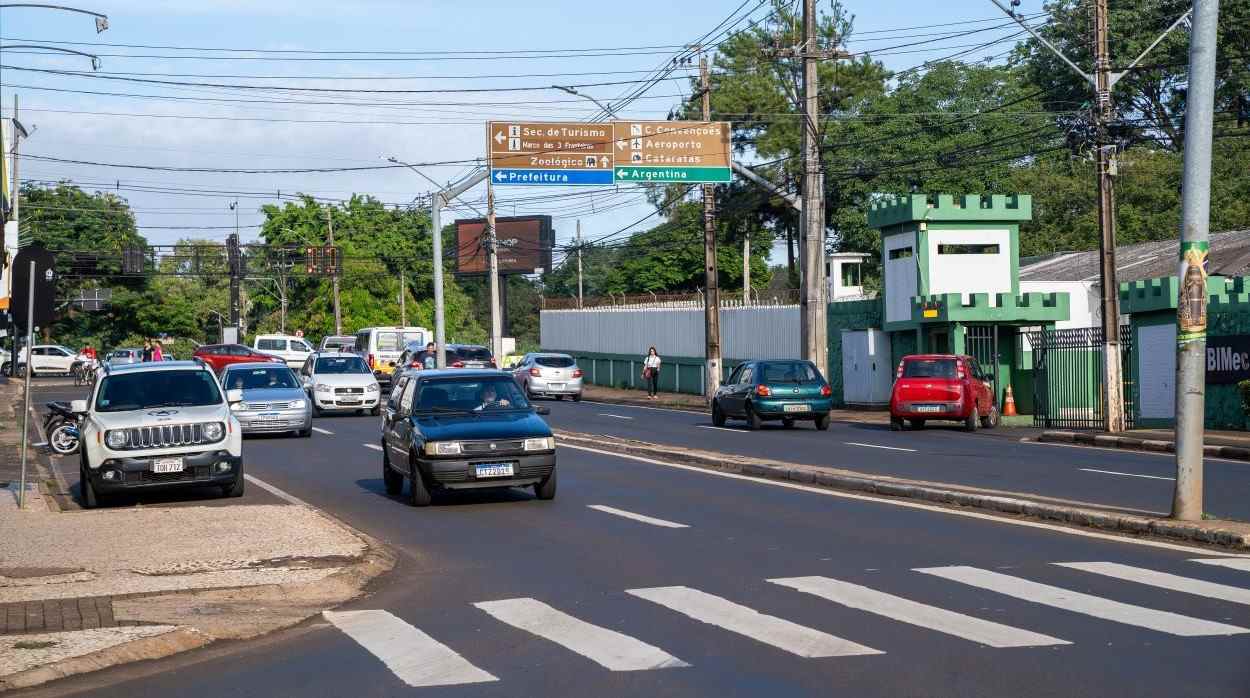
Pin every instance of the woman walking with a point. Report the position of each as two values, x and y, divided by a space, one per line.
158 354
147 350
651 372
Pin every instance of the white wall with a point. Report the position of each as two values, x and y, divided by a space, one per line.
970 273
746 333
1083 300
900 278
1156 371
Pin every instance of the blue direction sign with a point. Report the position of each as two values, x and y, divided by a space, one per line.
557 177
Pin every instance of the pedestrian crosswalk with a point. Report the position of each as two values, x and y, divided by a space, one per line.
418 659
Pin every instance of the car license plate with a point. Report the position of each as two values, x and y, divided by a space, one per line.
349 402
556 386
795 408
167 465
494 470
928 408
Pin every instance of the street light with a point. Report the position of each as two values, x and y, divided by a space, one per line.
101 21
607 108
95 60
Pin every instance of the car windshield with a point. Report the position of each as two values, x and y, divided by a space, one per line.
787 372
469 395
473 353
341 364
929 368
554 361
121 392
259 378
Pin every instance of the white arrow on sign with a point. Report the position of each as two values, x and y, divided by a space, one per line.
500 138
620 145
623 174
499 176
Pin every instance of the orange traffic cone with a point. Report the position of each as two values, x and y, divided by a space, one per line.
1009 404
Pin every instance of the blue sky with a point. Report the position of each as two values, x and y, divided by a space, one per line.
427 127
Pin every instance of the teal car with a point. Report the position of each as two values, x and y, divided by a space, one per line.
770 390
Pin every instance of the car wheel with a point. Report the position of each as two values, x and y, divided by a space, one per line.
753 419
822 422
546 490
896 423
377 410
577 397
718 416
970 424
236 489
304 433
90 500
529 395
787 422
991 420
418 493
360 413
560 398
316 410
393 481
917 424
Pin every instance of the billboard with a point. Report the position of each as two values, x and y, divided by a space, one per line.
524 243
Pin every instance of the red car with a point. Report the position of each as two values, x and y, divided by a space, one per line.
221 355
942 386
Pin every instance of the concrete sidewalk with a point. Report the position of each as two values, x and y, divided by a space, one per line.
1233 445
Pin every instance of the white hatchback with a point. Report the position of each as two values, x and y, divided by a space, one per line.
293 350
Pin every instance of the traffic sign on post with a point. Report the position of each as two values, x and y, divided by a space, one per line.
549 153
672 151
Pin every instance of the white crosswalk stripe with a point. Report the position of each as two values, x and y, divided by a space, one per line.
770 630
608 648
1163 580
897 608
1234 563
373 446
415 658
1096 606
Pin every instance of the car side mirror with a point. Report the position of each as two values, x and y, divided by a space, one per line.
234 395
307 381
79 406
542 410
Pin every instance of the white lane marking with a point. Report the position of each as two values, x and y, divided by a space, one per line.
413 656
888 448
280 494
770 630
636 517
1088 604
736 431
643 407
905 504
1163 580
608 648
906 611
1112 472
373 446
319 430
617 416
1234 563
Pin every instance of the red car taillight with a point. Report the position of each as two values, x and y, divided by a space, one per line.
414 364
960 372
826 391
536 373
493 364
763 391
458 364
577 373
370 362
898 373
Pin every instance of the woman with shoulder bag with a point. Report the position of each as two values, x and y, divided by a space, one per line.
651 372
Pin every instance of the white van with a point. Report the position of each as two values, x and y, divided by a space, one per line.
293 350
381 347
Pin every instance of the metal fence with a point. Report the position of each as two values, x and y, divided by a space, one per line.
671 300
1068 379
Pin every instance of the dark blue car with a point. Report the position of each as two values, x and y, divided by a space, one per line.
783 390
464 429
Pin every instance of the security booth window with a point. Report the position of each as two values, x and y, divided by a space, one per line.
850 273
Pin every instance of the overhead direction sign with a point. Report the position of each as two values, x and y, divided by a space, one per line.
672 151
549 153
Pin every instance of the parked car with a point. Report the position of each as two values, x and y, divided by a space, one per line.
220 356
465 429
381 347
273 398
293 350
784 390
156 425
469 356
550 375
942 386
336 381
46 358
337 343
123 357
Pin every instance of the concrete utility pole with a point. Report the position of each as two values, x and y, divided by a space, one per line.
403 301
746 270
1191 306
711 301
579 263
30 361
812 313
492 256
334 280
234 262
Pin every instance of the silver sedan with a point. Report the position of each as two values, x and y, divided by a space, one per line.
273 399
549 375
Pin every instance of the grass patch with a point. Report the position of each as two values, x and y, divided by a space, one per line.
35 644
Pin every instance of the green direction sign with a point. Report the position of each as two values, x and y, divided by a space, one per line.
669 175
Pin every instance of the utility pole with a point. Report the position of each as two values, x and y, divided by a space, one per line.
579 263
812 313
403 301
1191 306
234 262
334 280
746 269
18 132
711 301
492 255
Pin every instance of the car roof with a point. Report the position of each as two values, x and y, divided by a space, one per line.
335 354
551 354
467 346
254 364
159 366
930 357
431 374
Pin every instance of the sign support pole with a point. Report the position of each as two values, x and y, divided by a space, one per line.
30 360
334 280
492 253
579 263
711 301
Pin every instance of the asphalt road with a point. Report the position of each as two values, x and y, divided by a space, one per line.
940 452
642 579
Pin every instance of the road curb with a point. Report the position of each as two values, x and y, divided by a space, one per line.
1135 444
1218 533
157 647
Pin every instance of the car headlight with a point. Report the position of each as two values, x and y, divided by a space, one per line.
297 404
442 448
372 388
547 443
115 438
323 388
235 407
213 431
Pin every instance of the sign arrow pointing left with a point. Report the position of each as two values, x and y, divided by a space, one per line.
500 138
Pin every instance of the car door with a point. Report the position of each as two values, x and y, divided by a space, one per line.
976 381
739 391
60 359
39 359
398 425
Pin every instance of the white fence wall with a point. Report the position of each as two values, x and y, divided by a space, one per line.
746 333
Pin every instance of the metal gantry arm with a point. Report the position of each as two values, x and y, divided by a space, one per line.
95 60
1087 76
607 108
794 200
101 20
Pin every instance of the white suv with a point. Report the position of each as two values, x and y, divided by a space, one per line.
155 425
48 358
293 350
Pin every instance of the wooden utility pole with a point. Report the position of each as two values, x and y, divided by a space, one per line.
1112 369
711 301
338 316
746 270
579 262
492 252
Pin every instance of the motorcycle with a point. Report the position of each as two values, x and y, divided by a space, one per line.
61 426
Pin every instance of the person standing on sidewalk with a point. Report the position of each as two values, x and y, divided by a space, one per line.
158 354
651 372
147 350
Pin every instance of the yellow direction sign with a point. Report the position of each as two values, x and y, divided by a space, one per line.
672 151
549 153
